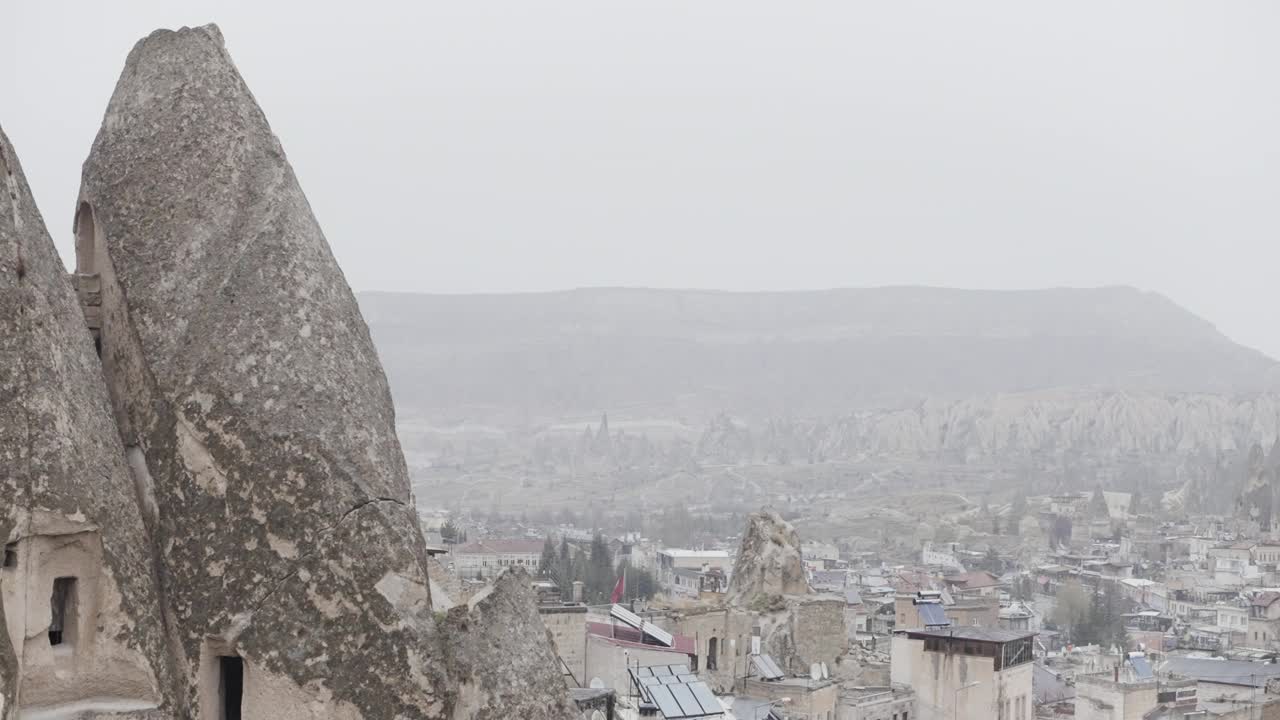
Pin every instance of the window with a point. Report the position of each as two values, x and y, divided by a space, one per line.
231 686
11 555
62 610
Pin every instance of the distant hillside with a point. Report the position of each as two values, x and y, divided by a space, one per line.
521 357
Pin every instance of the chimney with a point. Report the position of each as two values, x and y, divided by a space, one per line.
577 591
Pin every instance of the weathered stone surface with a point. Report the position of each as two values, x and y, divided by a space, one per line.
67 503
491 685
258 422
769 562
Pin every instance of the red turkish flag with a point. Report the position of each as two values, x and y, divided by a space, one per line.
619 589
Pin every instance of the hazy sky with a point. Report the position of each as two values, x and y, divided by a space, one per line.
470 145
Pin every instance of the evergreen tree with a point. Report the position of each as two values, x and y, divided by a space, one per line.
1098 504
599 571
564 569
993 561
450 533
547 563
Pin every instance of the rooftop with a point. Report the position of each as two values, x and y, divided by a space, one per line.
975 633
680 553
498 547
1226 672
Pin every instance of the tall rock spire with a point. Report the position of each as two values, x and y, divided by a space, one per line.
249 395
81 616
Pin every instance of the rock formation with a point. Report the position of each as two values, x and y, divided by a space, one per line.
226 520
1260 495
769 562
490 686
797 627
78 582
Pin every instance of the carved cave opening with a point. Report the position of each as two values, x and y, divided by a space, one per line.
62 607
231 686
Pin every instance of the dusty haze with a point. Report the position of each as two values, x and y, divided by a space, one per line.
494 147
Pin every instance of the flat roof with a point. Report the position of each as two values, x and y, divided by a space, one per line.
966 632
679 552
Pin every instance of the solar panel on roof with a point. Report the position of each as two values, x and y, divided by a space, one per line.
670 679
658 634
660 670
643 672
766 668
650 680
667 704
932 615
627 617
688 703
686 679
707 699
679 669
1141 667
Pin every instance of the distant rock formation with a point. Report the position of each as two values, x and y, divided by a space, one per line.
769 563
80 596
1259 501
227 518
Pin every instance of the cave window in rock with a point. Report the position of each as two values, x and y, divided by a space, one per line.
87 280
85 240
11 555
62 608
711 653
231 686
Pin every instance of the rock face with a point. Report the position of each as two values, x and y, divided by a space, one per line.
79 592
258 425
797 627
489 686
769 563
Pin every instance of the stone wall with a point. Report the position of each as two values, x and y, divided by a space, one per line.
567 625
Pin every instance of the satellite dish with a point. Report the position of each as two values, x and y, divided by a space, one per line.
597 683
815 672
826 674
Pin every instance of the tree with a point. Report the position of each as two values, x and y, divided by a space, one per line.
1016 514
641 584
993 562
1098 505
564 568
1071 611
450 533
598 576
547 563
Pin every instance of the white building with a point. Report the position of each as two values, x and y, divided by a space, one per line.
672 559
487 558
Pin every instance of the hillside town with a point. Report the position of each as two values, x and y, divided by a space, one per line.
1102 610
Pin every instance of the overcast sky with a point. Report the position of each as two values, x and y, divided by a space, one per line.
469 145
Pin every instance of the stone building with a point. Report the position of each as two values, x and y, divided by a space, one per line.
215 521
965 672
